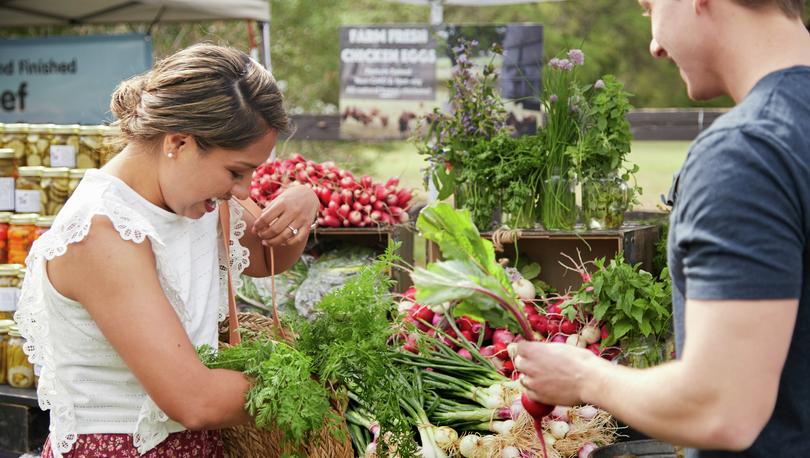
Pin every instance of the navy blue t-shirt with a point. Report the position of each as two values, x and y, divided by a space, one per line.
739 230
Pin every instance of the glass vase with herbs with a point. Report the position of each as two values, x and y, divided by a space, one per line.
602 154
457 142
565 109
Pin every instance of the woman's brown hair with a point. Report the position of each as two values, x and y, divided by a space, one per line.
218 95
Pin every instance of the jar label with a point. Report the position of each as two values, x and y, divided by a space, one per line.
6 194
63 156
8 299
27 201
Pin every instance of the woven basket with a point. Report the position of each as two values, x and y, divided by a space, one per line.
247 441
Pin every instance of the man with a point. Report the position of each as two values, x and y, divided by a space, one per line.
738 249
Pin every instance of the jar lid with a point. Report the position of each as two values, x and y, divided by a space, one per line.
66 129
5 217
45 221
6 153
24 218
14 331
16 128
30 171
56 172
41 128
10 269
111 131
91 130
5 325
77 173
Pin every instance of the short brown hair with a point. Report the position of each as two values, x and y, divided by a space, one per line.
792 8
216 94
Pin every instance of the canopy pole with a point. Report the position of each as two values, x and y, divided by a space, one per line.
266 45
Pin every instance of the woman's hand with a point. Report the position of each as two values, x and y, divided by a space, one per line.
553 373
287 219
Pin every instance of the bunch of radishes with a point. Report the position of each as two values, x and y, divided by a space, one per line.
548 321
345 201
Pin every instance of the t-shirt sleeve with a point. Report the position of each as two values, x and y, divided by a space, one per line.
739 225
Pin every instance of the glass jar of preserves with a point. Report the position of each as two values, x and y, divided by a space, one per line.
4 326
111 144
5 219
9 290
64 146
55 182
28 195
14 136
38 145
21 234
19 371
90 144
42 225
76 176
8 175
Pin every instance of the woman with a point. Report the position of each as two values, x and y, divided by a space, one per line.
132 277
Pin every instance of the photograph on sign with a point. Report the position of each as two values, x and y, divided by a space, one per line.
391 76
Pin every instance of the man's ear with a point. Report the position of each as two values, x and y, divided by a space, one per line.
700 6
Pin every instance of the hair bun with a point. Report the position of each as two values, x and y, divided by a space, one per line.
126 100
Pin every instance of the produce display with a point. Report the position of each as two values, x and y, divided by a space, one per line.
427 373
345 201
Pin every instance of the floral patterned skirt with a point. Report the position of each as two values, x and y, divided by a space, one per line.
184 444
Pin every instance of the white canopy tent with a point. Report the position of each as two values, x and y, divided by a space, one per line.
22 13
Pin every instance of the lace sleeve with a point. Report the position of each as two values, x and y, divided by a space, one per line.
240 257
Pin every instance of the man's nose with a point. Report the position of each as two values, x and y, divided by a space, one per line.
657 50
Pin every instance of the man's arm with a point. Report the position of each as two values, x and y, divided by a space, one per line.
721 393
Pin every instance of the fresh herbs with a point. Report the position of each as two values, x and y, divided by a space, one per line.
348 344
635 305
283 394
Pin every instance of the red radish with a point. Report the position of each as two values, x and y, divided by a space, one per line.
344 210
554 309
502 336
559 338
500 351
538 411
379 205
605 332
331 221
539 323
464 353
568 327
488 351
364 198
469 336
355 218
437 319
553 327
365 182
422 312
594 348
530 308
392 182
346 196
586 450
587 412
508 366
403 218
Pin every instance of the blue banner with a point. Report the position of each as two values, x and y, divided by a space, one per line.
67 80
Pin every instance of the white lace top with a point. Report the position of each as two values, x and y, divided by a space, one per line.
83 381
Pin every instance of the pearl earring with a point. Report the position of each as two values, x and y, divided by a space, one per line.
170 154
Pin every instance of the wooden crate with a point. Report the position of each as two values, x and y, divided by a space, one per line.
23 426
375 238
544 247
